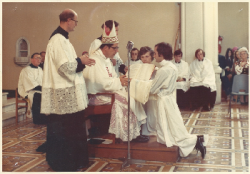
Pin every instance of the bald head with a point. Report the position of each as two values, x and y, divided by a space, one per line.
66 14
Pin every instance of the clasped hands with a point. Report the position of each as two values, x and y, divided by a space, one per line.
124 80
87 61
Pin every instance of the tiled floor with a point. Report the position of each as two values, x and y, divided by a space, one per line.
227 149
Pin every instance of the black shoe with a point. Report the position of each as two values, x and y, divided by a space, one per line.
199 146
42 148
140 139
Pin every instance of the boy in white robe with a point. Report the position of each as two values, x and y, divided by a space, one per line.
116 60
134 57
182 84
146 55
202 82
170 127
103 78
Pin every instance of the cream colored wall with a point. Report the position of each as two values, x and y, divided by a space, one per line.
144 23
233 24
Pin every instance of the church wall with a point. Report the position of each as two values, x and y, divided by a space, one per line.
233 24
143 23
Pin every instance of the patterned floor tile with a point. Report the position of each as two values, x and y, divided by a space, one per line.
244 133
214 115
215 123
24 147
227 148
220 143
211 158
245 144
11 163
200 169
39 136
18 133
212 131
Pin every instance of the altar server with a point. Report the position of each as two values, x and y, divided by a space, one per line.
103 78
182 84
170 128
64 98
30 86
202 82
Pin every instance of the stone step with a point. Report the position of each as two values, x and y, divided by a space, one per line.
9 112
4 97
10 105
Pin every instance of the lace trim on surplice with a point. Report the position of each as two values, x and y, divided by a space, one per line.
64 100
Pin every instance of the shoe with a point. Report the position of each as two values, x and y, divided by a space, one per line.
144 136
199 146
42 148
140 139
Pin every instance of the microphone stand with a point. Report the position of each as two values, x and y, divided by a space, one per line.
127 161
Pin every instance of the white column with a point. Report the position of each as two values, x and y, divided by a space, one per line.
199 29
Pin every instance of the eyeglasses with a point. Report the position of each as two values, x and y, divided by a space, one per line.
38 58
75 21
115 48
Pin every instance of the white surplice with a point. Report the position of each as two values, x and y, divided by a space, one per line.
202 74
150 108
63 90
29 79
133 62
102 78
183 72
95 45
170 128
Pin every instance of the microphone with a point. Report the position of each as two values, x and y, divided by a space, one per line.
130 45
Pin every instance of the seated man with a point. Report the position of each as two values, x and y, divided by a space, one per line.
42 54
116 60
29 86
102 78
182 84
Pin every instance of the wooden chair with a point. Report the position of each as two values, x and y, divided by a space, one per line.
101 109
20 100
240 88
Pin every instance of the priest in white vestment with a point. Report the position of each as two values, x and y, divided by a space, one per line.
202 82
170 127
30 86
182 84
103 78
116 60
64 99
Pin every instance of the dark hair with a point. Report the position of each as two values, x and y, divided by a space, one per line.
164 49
229 49
65 15
144 50
109 24
197 51
42 52
235 57
108 45
135 49
178 52
34 55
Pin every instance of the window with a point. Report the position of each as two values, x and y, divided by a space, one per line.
22 52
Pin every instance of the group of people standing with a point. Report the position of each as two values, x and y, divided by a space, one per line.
67 80
235 62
